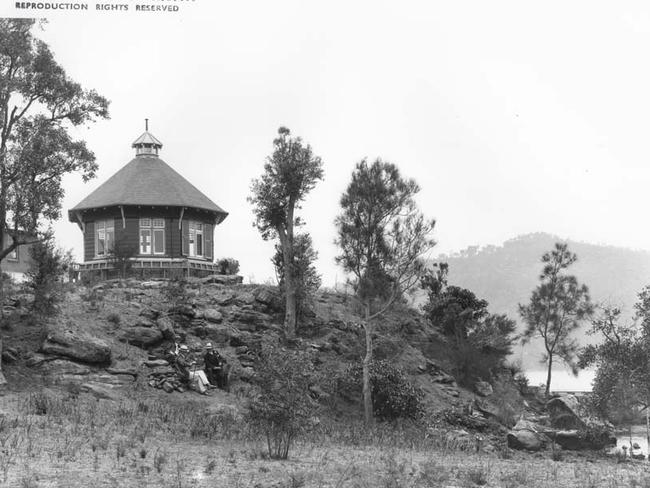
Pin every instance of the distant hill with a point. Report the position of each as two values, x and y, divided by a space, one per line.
505 276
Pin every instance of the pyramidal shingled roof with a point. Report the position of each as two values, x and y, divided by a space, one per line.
147 181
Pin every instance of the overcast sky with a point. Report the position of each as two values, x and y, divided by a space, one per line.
513 117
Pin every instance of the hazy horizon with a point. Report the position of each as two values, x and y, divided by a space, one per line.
507 128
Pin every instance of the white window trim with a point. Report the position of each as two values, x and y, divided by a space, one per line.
104 226
153 225
196 228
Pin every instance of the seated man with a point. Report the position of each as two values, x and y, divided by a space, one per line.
216 367
187 371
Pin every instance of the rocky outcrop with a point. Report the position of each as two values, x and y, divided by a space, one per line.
590 439
77 346
212 315
59 367
566 413
142 336
100 391
166 327
526 435
223 279
483 388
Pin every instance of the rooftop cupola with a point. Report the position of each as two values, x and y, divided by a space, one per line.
146 144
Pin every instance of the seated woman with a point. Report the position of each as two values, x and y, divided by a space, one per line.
186 369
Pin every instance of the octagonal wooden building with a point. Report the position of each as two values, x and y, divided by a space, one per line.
150 215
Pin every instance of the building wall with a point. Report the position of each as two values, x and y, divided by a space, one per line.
130 234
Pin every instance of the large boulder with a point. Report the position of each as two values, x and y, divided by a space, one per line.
223 279
269 297
250 319
590 439
566 412
142 336
77 346
525 440
528 436
166 327
212 315
218 333
59 367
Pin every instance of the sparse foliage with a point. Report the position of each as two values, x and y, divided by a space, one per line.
175 292
382 237
307 278
284 409
393 395
557 307
480 341
621 386
290 173
45 277
122 254
228 266
39 104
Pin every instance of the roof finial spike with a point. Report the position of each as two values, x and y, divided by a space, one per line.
146 124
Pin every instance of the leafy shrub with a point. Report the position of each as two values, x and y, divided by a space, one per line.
284 409
121 255
45 277
228 266
306 278
393 395
479 341
175 293
114 319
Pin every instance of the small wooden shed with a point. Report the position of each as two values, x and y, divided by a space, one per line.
150 213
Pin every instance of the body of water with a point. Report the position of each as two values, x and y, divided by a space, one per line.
562 380
638 436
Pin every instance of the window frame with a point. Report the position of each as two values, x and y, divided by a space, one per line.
154 226
105 227
196 229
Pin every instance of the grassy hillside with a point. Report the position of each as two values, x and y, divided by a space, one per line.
505 276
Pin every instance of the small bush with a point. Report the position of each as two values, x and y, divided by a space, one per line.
478 475
228 266
393 395
114 319
122 254
175 293
159 460
45 277
283 411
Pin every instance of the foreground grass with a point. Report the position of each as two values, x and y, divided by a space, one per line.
59 440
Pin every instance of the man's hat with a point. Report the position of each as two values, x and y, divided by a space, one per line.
184 348
208 345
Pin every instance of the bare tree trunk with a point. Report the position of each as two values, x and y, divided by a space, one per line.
3 380
290 315
367 360
286 241
548 375
647 429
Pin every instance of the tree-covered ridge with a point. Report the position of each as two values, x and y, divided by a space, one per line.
506 275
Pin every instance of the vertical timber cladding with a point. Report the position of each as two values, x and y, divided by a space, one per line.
147 187
176 240
208 232
89 241
132 234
